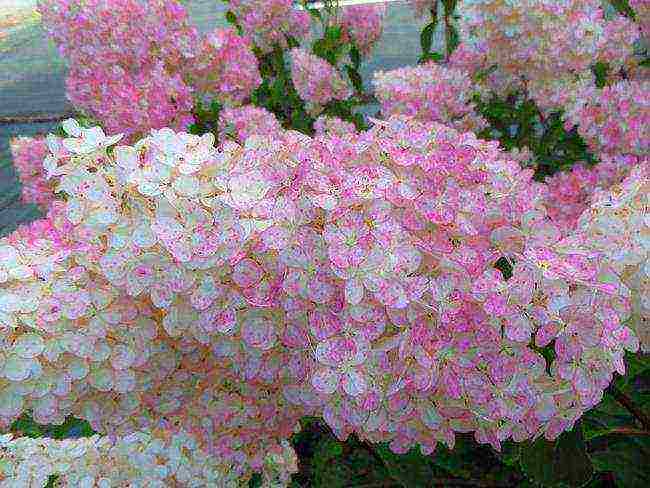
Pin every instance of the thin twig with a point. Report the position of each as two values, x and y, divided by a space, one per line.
628 431
627 402
445 482
35 118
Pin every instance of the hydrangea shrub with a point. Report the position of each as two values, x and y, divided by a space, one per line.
235 247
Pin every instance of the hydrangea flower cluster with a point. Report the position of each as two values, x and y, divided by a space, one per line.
616 225
225 67
642 11
316 81
333 125
569 193
132 103
614 119
149 458
28 154
535 43
228 292
363 25
430 93
243 122
270 22
128 33
124 57
422 8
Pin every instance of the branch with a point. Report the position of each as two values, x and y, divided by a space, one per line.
444 482
627 402
628 431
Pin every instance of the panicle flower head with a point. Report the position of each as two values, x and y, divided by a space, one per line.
363 25
132 34
422 7
333 125
28 154
270 22
569 193
124 58
541 42
431 93
132 103
229 291
642 11
316 81
225 67
249 120
614 119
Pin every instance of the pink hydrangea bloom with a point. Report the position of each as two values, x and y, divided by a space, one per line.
124 60
614 226
431 93
538 42
228 292
614 119
270 22
316 81
363 25
249 120
130 33
132 103
569 193
333 125
225 67
422 7
28 154
136 457
642 11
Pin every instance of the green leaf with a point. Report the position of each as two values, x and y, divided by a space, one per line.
433 56
426 38
27 427
277 91
319 48
601 70
315 13
355 57
231 17
627 459
355 77
51 481
410 469
635 365
564 461
333 34
450 6
623 7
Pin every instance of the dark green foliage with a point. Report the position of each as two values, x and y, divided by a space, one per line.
601 70
516 122
231 18
625 458
51 481
71 428
623 7
426 38
206 119
505 267
563 462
